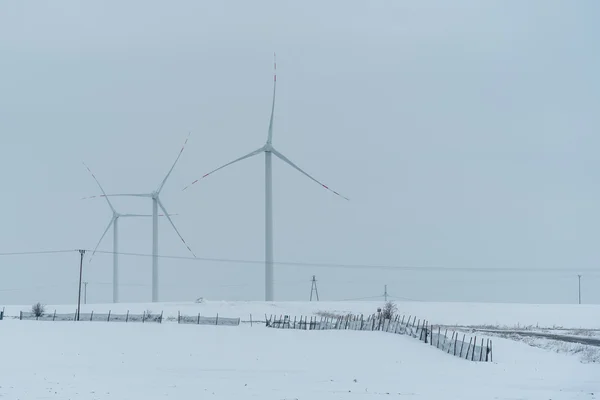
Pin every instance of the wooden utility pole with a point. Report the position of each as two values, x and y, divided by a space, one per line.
82 252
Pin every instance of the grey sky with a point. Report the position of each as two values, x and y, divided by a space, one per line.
464 134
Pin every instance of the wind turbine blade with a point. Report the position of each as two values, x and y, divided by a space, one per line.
174 227
100 186
173 166
112 220
255 152
286 160
270 137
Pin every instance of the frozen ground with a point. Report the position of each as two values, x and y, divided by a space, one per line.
571 316
90 360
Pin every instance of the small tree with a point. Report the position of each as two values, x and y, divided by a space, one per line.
38 309
389 310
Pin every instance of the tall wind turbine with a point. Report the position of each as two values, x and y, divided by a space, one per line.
114 222
269 151
155 204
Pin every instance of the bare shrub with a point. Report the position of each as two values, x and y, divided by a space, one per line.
38 309
389 310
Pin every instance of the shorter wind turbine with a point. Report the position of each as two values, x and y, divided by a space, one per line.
114 222
269 151
155 204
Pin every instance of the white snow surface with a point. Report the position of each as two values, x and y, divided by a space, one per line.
94 360
490 314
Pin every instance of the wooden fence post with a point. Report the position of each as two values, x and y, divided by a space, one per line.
250 320
455 342
161 317
462 345
127 316
92 316
54 316
491 347
451 340
108 319
178 317
468 348
431 332
144 317
474 345
481 351
198 318
217 320
439 334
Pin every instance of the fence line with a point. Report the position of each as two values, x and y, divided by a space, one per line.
146 317
200 320
421 330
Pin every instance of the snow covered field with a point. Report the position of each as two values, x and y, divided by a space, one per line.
90 360
571 316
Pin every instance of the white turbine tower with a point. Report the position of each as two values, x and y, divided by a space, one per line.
155 204
269 150
114 222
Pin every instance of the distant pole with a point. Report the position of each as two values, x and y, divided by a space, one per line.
313 288
579 281
82 252
85 292
385 293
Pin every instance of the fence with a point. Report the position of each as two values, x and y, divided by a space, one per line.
470 350
146 317
98 317
200 320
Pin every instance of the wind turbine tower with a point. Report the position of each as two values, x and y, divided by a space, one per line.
156 203
114 222
269 151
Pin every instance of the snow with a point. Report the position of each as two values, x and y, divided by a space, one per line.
468 314
92 360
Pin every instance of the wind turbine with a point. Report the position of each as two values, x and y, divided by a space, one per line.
269 151
155 204
114 222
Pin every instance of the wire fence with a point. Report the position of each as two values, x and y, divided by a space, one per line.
466 347
146 317
200 320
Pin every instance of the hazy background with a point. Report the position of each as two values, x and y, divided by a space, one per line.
466 136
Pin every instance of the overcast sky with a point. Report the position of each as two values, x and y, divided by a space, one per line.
465 135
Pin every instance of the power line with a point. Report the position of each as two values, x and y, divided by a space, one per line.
363 298
25 253
402 298
360 266
329 265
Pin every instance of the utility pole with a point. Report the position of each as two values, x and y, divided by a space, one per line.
579 279
85 292
313 288
385 293
82 252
